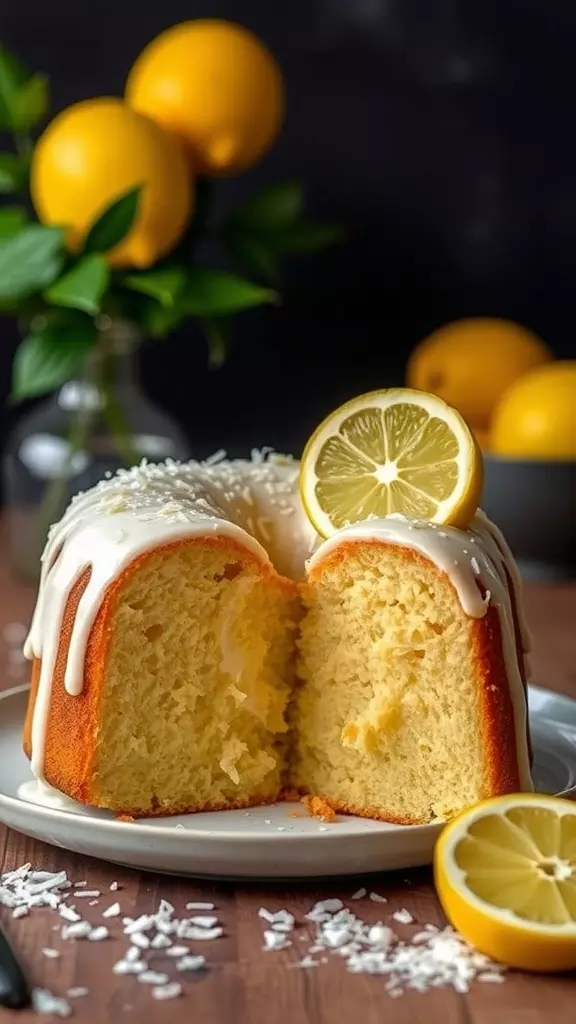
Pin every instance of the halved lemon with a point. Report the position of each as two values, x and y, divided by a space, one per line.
505 872
393 451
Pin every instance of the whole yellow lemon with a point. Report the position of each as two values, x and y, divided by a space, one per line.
90 155
471 363
536 417
217 87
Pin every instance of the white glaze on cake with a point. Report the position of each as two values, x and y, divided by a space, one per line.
257 503
467 557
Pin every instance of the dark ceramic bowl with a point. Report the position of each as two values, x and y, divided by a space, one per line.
534 504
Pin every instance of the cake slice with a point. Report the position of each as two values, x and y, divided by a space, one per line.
411 703
163 639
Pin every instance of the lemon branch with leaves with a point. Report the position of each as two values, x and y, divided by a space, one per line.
121 238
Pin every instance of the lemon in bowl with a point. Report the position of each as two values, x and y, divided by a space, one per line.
530 470
536 416
471 363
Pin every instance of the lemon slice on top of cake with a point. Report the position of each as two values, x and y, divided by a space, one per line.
392 451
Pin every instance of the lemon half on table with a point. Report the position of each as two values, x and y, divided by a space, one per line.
392 451
505 872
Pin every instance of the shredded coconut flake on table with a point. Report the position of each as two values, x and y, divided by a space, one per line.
78 930
275 940
280 920
186 930
191 963
322 910
49 1005
77 993
139 924
177 951
153 978
69 913
427 959
112 911
204 922
403 916
129 967
170 991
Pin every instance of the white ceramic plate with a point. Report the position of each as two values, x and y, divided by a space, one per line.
265 842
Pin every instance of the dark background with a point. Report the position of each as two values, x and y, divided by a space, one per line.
441 132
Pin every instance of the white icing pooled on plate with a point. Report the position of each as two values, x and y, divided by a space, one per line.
257 503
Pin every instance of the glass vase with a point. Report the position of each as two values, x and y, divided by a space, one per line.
93 425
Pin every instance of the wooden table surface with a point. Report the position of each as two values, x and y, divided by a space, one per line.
243 984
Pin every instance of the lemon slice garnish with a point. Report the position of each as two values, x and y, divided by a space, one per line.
393 451
505 872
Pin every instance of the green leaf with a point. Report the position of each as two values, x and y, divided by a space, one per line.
30 261
12 220
307 236
13 78
114 224
217 292
253 254
163 284
30 103
218 333
47 358
83 286
159 321
275 207
13 173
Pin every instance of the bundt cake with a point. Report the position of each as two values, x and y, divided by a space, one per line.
195 646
